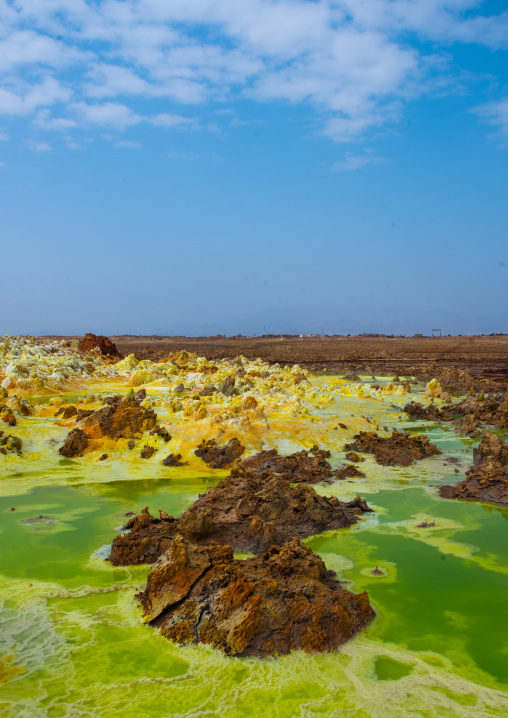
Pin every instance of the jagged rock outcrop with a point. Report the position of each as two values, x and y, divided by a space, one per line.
75 443
227 386
487 479
302 466
218 457
416 410
491 410
280 601
105 346
173 460
67 412
246 510
399 449
354 457
7 415
348 471
122 419
466 415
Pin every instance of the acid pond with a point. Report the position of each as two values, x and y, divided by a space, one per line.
71 640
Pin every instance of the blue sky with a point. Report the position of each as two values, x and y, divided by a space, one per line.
189 166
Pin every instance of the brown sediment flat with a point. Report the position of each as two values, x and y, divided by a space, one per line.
482 356
272 604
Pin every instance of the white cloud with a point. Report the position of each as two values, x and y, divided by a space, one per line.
127 145
4 137
166 120
40 146
24 98
355 61
44 121
109 114
496 114
356 161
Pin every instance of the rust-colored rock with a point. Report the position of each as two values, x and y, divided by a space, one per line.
7 415
75 443
246 510
302 466
147 452
67 412
281 601
208 391
105 346
162 432
354 457
173 460
123 419
218 457
399 449
148 538
349 471
487 479
416 410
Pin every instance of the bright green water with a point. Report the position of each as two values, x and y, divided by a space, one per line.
438 649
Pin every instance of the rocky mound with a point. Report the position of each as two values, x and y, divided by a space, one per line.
487 479
348 471
248 511
466 415
105 346
123 418
399 449
308 466
216 456
415 410
75 443
280 601
491 410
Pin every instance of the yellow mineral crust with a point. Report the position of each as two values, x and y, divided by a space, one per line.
195 399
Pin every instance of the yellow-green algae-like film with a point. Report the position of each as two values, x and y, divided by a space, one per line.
71 639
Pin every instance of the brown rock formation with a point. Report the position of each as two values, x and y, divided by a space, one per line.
147 452
67 412
123 419
281 601
415 410
227 386
106 347
302 466
7 415
354 457
75 443
162 432
246 510
487 479
216 456
349 471
173 460
396 450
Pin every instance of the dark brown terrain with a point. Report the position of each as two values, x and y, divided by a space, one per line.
482 356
